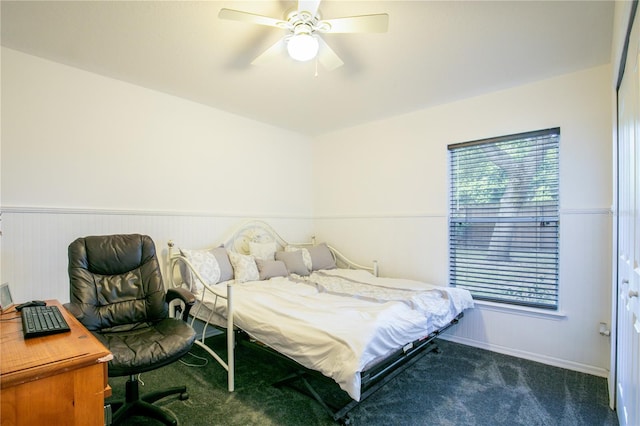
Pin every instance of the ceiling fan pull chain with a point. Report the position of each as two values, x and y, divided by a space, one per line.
316 74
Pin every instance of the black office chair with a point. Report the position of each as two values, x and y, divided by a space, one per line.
117 293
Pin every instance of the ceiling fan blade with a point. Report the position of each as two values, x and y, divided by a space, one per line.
310 6
359 24
274 51
237 15
327 57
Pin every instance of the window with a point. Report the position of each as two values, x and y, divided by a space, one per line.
503 218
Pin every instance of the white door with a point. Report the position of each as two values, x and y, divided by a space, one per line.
628 240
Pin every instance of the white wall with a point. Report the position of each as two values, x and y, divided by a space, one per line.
380 192
76 139
85 154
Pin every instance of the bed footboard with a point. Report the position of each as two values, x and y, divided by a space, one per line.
345 262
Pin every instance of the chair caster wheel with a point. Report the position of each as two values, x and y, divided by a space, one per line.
184 396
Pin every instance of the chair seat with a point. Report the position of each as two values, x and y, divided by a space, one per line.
148 346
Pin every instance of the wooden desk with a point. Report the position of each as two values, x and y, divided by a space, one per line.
60 379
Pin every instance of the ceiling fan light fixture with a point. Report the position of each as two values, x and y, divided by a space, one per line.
303 27
302 47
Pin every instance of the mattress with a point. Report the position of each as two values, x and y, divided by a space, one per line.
339 321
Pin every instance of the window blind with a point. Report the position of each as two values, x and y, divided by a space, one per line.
504 218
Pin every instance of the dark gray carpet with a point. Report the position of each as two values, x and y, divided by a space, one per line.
460 386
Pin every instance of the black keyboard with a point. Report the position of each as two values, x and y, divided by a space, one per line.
42 320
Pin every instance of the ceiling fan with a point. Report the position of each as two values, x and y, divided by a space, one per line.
303 26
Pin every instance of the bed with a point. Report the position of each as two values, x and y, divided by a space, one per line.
309 304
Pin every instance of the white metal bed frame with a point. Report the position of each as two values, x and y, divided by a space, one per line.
372 380
238 240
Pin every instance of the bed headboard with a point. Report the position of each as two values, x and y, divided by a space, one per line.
258 231
255 231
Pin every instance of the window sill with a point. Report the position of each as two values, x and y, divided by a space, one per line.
520 310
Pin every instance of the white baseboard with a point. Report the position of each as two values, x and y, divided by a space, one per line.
555 362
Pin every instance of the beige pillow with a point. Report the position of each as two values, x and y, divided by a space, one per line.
264 251
206 264
244 267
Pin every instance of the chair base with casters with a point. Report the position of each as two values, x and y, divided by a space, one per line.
136 405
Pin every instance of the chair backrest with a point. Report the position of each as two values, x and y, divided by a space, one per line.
116 281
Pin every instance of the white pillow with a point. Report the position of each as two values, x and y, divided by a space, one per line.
264 251
244 267
207 266
306 256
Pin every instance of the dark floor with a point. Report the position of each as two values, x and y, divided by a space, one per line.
460 386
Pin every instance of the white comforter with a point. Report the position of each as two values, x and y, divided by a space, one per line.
339 321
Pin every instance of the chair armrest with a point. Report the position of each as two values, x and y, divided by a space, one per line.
181 293
74 310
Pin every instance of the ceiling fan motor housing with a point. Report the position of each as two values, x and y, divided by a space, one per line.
300 22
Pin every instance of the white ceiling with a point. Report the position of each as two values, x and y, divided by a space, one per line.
434 52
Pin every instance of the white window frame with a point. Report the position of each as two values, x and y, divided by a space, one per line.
504 219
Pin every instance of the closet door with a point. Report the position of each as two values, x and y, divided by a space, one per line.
628 240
